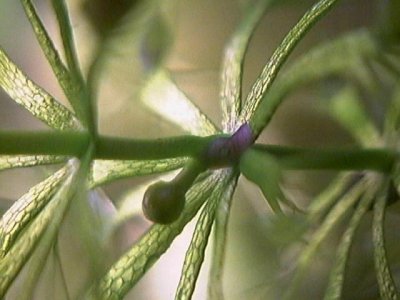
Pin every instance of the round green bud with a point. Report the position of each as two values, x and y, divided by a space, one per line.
163 202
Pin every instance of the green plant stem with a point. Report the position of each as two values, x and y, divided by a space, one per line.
75 143
295 158
44 142
179 146
290 158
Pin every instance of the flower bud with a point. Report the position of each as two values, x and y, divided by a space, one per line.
163 202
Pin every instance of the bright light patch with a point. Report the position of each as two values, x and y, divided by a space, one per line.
163 97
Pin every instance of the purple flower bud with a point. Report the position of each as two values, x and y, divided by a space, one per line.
225 151
241 140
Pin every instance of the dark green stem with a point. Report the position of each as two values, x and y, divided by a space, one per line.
75 143
179 146
294 158
44 142
290 158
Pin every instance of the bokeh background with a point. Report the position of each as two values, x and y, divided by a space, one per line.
192 48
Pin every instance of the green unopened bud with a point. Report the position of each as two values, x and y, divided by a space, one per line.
163 202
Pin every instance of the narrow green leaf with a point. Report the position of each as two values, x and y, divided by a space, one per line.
162 96
36 265
345 106
25 209
67 37
195 254
79 96
264 170
254 113
324 201
105 171
21 161
71 86
342 56
132 266
336 57
387 287
232 68
336 279
45 42
215 283
48 219
331 220
33 98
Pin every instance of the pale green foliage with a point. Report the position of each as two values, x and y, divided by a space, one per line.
387 286
346 108
17 256
25 209
12 161
195 253
130 267
33 98
105 171
264 170
29 229
335 285
332 219
232 69
259 118
163 97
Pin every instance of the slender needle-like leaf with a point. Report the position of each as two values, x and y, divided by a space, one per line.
22 161
71 86
332 219
83 102
45 42
195 253
132 266
33 98
336 280
66 34
387 287
252 111
49 218
339 57
232 68
215 284
347 109
325 200
105 171
25 209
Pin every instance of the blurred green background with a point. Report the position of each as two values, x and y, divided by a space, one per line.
256 266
